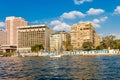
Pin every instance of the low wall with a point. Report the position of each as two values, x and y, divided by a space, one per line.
94 52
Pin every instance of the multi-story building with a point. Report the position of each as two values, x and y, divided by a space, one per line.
31 35
97 40
82 32
3 37
59 40
12 23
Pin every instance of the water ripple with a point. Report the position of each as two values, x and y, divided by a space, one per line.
65 68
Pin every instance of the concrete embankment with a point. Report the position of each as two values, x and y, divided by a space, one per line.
94 52
75 53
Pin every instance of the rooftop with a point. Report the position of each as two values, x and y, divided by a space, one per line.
33 26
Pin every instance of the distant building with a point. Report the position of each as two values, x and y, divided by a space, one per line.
3 37
12 23
8 48
3 43
31 35
59 40
82 32
97 40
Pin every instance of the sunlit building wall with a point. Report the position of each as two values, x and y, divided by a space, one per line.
82 32
59 40
3 37
31 35
97 40
12 23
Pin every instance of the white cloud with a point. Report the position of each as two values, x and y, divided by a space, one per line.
2 24
93 11
77 2
100 20
117 10
72 15
96 22
96 25
103 19
60 26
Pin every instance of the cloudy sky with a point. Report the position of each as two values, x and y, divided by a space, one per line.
61 14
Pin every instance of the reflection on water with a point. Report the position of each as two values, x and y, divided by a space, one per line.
65 68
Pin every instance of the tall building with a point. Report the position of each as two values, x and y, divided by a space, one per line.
31 35
97 40
3 37
82 32
59 39
12 23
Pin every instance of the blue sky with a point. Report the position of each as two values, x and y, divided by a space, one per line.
61 14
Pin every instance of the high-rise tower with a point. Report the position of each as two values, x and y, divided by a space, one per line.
3 38
12 23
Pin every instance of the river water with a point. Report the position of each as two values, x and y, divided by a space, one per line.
64 68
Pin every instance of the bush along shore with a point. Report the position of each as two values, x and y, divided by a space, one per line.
7 54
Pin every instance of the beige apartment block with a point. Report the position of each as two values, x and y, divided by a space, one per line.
97 40
12 23
59 40
3 37
82 32
31 35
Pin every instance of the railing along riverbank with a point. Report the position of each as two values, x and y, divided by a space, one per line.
73 53
93 52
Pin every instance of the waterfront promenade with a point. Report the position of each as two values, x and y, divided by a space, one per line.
74 53
94 52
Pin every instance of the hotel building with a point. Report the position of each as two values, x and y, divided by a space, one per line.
31 35
12 23
59 40
3 37
82 32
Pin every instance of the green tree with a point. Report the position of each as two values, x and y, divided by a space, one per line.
87 45
100 47
108 41
116 44
7 54
37 48
67 46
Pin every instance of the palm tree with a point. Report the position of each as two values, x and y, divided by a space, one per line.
37 48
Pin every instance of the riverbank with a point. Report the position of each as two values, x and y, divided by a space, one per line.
94 52
68 53
73 53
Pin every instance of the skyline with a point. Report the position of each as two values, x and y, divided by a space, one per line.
62 14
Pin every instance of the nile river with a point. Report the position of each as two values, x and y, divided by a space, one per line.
64 68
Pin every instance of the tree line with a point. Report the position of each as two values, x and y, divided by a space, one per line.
107 42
